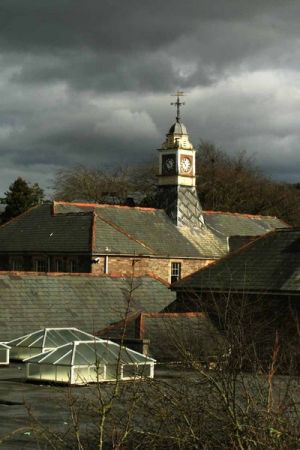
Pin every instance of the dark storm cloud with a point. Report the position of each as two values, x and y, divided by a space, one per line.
131 45
89 82
114 44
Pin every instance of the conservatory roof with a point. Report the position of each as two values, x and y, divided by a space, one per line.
50 338
2 345
91 352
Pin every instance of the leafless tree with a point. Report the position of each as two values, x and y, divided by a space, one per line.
100 186
235 183
224 183
243 398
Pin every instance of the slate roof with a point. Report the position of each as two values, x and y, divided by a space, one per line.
84 228
170 334
38 230
152 228
30 301
128 230
236 224
270 263
206 241
178 128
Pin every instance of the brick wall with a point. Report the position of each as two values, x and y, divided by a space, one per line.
159 267
122 265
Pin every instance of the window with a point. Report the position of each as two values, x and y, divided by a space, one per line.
105 264
41 265
175 271
58 265
73 265
17 264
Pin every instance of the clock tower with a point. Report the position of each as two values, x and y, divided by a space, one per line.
177 192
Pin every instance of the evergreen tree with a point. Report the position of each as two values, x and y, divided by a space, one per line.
19 197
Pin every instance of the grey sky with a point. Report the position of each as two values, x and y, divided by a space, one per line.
89 82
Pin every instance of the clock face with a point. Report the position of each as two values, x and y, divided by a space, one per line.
185 164
169 164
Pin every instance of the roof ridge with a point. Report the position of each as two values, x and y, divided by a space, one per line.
289 229
171 314
121 230
103 205
47 274
228 213
156 277
82 274
120 323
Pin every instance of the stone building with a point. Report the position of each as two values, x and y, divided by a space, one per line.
171 242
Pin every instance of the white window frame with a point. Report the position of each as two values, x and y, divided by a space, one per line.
176 268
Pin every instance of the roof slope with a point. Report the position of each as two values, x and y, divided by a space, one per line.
208 243
153 228
269 263
30 302
236 224
150 231
128 230
38 230
111 229
171 335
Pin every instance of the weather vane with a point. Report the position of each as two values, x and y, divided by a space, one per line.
178 103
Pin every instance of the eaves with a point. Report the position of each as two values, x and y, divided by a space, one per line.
137 255
230 291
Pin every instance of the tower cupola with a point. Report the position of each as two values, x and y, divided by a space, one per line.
177 158
177 174
177 137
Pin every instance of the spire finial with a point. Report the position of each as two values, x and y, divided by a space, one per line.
178 103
